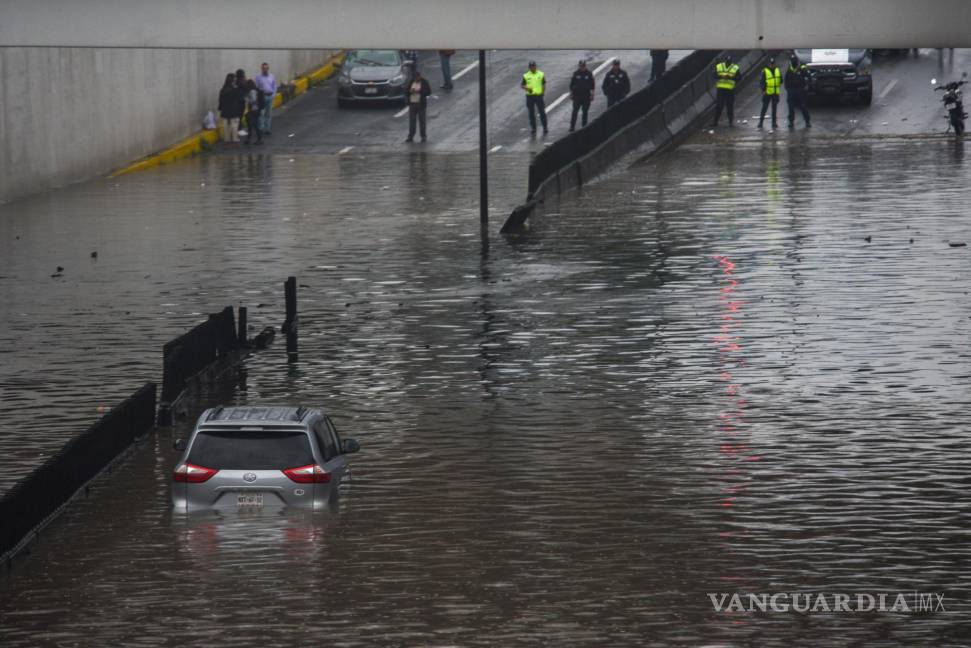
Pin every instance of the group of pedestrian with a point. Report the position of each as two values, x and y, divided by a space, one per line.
615 85
247 102
771 81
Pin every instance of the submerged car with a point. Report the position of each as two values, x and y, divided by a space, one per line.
260 457
373 76
836 73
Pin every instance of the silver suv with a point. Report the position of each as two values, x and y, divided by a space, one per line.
260 457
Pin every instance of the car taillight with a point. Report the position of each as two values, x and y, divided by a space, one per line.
192 474
312 474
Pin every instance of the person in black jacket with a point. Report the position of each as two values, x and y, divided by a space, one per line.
418 92
241 95
255 100
229 109
616 84
796 83
582 87
659 61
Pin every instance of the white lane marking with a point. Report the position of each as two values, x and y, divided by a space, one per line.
558 101
603 66
495 148
346 149
403 111
466 69
887 90
565 96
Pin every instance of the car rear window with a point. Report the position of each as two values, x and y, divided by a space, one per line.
237 450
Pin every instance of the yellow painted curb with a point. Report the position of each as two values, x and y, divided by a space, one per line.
199 141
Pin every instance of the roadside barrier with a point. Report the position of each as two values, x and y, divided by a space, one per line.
33 501
37 499
194 351
648 118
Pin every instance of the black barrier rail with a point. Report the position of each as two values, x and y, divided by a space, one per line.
32 500
574 146
654 116
192 352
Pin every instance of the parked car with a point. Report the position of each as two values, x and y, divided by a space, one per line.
839 73
373 76
260 457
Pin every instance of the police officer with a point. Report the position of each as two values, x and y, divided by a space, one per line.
534 83
726 73
582 88
771 83
659 61
797 90
616 84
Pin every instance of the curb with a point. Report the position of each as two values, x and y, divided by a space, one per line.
203 140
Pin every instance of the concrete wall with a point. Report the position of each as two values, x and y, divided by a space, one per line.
69 114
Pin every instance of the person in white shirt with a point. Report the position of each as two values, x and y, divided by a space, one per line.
266 84
418 91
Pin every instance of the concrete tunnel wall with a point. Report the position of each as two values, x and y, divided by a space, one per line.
70 114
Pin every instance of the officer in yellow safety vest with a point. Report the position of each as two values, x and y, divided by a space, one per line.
534 83
771 83
726 74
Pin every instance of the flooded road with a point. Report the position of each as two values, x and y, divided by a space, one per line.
741 367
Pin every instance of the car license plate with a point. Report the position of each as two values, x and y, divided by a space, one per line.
249 499
370 91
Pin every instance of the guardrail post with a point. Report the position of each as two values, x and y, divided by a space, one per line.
241 333
290 325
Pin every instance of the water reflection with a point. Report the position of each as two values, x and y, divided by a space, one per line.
698 376
262 541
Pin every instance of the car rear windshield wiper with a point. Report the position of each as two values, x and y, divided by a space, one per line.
368 62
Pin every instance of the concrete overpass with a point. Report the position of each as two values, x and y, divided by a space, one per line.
475 24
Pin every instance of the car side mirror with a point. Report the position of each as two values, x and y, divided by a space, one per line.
351 446
180 445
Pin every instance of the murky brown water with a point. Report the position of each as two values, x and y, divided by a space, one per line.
696 377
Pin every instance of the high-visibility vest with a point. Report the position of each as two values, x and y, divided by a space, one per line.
726 76
773 80
534 82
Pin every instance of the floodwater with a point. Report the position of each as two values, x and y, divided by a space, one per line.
734 369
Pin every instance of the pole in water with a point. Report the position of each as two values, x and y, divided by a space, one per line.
290 298
290 325
242 337
483 160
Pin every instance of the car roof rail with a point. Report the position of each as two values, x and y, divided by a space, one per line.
214 413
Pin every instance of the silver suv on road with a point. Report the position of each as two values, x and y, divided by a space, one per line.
244 458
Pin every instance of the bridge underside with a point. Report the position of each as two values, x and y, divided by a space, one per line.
477 24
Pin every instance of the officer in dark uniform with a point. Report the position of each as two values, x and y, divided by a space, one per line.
797 90
582 87
616 84
659 61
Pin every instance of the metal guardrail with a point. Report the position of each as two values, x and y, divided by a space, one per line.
574 146
190 353
654 115
37 498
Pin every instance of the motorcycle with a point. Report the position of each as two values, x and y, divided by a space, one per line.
953 103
